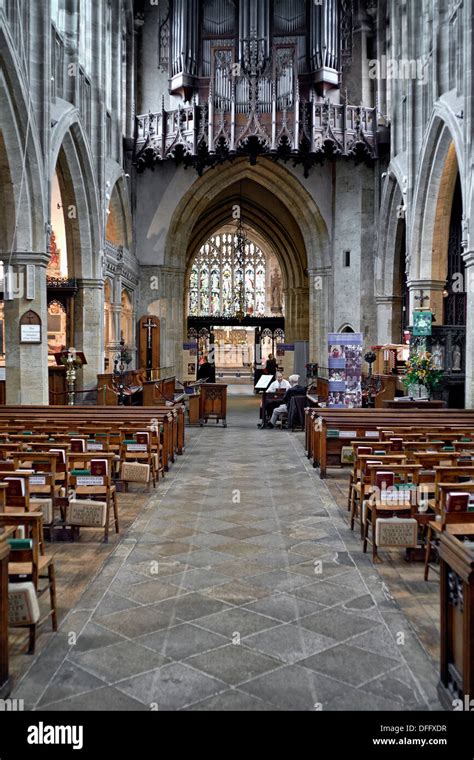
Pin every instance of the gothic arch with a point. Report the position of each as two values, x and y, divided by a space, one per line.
70 151
387 255
19 136
119 207
301 250
277 180
443 146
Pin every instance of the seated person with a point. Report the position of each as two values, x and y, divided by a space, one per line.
295 390
280 384
278 388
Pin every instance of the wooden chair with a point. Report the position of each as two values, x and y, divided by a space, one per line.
398 504
361 488
94 488
30 565
137 447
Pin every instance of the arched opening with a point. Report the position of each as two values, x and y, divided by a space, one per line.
235 276
438 261
72 163
108 325
22 230
116 232
126 319
284 219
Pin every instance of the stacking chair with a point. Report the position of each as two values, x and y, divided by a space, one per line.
399 503
141 461
94 496
361 488
27 568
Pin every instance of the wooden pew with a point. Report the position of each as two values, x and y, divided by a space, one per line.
171 418
325 448
4 668
457 622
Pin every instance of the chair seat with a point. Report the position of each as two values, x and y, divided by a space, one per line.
379 507
25 568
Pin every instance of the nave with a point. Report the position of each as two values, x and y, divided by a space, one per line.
215 599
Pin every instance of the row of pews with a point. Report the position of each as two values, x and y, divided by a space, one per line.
411 488
329 431
61 472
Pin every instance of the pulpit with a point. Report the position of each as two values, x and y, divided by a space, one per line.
213 403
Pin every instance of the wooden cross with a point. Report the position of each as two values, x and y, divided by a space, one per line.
422 298
149 327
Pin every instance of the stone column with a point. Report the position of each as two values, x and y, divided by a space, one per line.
469 262
26 365
319 323
389 319
89 329
162 295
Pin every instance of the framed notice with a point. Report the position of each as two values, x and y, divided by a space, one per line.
422 324
30 328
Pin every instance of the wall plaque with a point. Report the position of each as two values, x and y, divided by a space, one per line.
31 328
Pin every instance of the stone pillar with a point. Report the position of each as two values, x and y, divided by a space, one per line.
434 290
389 319
26 365
319 324
469 262
161 293
89 329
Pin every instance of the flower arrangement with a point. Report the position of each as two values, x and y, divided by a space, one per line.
422 371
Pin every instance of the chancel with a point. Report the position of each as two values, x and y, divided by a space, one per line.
236 358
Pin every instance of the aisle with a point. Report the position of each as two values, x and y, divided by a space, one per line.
236 589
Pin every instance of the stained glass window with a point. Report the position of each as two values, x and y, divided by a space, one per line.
216 279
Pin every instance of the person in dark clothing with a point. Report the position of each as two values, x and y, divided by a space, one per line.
295 390
271 366
207 371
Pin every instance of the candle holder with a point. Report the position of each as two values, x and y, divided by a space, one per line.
72 362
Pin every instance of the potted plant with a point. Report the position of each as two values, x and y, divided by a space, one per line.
422 374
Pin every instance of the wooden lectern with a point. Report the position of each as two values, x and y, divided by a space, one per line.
213 403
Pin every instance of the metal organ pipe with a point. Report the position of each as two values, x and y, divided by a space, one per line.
324 36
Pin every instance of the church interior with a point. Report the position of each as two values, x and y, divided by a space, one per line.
236 356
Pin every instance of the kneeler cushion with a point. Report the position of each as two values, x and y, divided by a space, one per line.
46 506
133 472
23 608
86 513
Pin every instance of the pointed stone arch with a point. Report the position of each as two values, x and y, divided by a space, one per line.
23 218
303 250
72 156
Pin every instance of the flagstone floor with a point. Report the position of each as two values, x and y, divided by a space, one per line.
238 587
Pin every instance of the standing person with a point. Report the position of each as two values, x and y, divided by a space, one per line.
271 366
207 371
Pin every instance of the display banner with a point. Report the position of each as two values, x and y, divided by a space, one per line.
345 370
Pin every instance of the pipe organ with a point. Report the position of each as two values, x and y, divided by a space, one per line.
256 77
199 28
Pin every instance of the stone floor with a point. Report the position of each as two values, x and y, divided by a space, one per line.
238 587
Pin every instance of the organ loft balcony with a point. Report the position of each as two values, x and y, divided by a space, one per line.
258 103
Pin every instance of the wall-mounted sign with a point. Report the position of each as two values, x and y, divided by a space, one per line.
30 328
